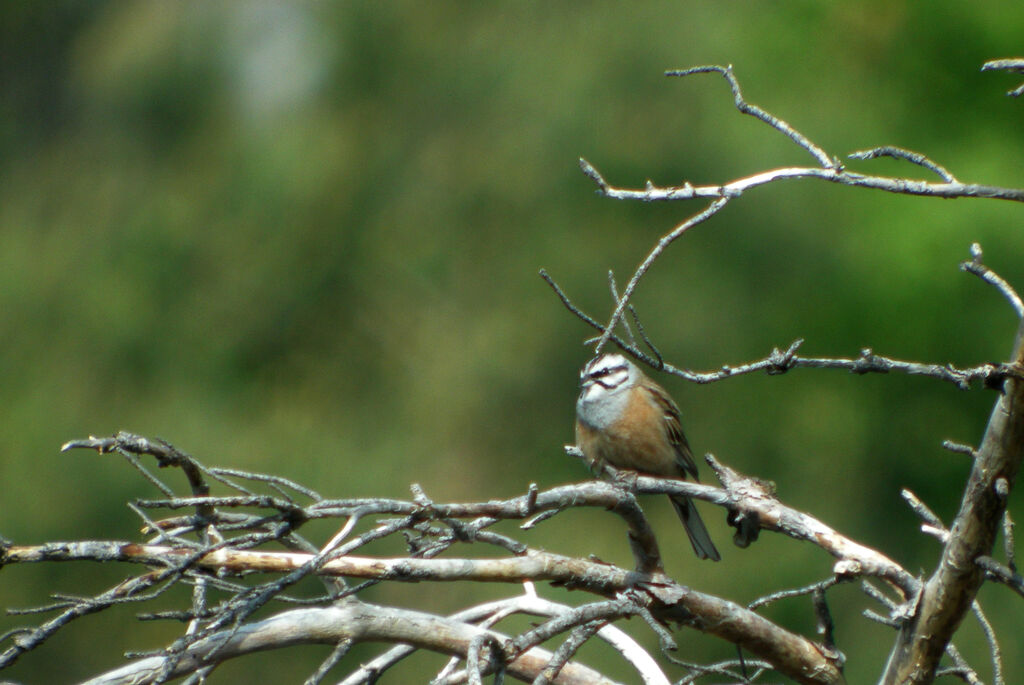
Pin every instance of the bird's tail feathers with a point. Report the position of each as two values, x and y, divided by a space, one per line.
699 537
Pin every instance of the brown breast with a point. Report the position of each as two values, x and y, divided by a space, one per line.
626 447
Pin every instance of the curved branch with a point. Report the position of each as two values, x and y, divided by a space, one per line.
986 274
492 612
352 621
758 113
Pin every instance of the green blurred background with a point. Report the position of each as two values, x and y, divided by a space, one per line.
303 238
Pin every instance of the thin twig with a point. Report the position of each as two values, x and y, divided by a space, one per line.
963 669
565 651
569 305
912 157
731 669
615 299
876 594
753 110
270 479
921 509
986 274
796 592
1012 64
647 341
993 644
663 243
779 361
1002 574
959 448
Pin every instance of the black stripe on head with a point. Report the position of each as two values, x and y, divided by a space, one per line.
603 367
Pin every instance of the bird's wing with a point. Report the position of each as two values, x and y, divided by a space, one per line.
674 428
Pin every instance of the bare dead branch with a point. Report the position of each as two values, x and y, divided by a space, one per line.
1003 574
662 244
735 188
615 298
734 669
986 274
825 624
572 308
829 170
623 605
930 613
781 361
277 482
961 668
567 650
993 643
760 114
820 586
951 589
959 448
488 615
934 525
1012 64
794 655
921 509
926 613
878 618
355 621
755 498
332 660
474 663
912 157
165 453
25 640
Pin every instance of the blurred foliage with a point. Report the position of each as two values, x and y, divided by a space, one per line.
303 238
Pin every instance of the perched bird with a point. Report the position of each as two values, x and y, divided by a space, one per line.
625 419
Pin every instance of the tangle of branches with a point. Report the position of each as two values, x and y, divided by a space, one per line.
222 539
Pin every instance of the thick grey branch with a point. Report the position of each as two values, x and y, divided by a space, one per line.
490 613
951 590
351 621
